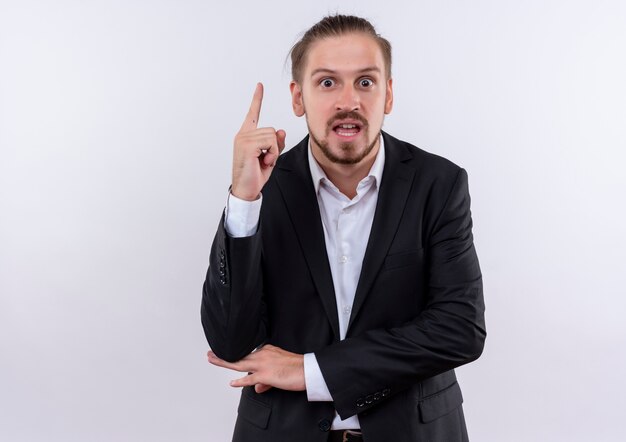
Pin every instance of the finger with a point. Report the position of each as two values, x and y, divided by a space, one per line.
269 157
280 138
244 381
262 388
237 366
252 119
263 140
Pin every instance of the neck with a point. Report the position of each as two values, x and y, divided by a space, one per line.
346 177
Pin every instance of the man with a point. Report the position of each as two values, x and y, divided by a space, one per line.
343 278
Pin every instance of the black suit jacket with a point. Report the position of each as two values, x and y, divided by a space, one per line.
418 310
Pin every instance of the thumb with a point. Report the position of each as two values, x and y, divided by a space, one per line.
262 388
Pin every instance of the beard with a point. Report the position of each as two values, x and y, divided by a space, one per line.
350 153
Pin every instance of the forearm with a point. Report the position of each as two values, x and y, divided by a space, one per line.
232 297
390 360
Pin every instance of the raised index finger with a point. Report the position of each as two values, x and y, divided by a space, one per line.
252 119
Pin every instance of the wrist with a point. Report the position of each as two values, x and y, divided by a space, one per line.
301 375
243 195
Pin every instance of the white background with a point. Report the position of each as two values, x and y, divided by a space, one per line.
116 128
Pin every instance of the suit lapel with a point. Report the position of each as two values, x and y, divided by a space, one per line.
296 186
392 197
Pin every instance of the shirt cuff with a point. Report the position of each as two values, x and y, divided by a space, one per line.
242 217
316 389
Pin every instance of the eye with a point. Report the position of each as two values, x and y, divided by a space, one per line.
327 82
366 82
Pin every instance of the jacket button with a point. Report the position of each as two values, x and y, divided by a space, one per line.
360 402
369 399
324 425
377 396
386 392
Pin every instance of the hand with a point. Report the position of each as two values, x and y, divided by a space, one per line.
268 367
255 152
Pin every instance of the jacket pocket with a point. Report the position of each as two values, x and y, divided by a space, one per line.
254 411
403 259
440 403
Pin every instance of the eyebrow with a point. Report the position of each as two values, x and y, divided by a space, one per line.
360 71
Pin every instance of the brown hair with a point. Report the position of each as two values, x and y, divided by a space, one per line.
335 26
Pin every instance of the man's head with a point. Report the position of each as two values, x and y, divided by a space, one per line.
342 82
335 26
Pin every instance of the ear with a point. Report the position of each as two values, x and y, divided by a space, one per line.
296 98
389 96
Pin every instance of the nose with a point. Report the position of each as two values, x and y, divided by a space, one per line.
348 99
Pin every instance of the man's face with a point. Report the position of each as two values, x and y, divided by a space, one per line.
344 94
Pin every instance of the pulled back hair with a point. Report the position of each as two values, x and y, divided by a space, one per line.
335 26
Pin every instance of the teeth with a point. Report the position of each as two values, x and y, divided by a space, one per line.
347 126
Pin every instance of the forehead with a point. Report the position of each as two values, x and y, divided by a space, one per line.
345 53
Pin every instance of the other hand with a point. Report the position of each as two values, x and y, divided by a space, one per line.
267 367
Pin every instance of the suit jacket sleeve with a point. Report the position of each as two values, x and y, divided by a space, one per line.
232 310
363 370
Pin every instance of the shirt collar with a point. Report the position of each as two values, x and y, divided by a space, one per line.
317 173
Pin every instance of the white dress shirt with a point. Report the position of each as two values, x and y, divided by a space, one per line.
347 225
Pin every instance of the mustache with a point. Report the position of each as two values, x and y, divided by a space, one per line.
344 115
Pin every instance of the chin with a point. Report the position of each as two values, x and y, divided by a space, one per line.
348 153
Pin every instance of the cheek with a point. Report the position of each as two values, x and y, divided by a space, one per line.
377 109
320 101
316 113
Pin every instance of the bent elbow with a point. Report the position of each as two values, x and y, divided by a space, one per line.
227 354
475 345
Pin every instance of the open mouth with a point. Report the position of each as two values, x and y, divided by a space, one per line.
347 129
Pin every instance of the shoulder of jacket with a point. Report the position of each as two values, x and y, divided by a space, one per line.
429 164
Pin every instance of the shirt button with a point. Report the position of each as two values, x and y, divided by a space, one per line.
347 309
343 259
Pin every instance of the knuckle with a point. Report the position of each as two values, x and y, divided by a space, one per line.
239 137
